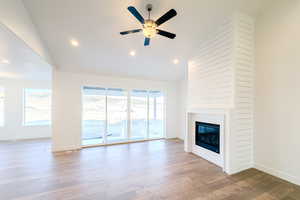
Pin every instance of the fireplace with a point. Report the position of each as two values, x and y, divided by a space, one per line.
208 136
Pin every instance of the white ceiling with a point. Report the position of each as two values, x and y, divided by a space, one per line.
96 25
23 62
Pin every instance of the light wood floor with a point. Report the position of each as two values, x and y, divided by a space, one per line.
149 170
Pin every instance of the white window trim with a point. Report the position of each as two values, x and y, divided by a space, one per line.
4 107
24 110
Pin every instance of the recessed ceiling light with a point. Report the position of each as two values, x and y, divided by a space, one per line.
132 53
5 61
74 43
175 61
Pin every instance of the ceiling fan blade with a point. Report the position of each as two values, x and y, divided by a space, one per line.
147 42
131 31
136 13
171 13
166 34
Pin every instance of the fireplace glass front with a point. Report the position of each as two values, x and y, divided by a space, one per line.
208 136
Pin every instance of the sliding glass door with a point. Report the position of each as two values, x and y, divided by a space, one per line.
111 115
116 115
139 114
156 114
93 115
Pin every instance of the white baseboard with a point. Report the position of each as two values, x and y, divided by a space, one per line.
181 138
278 173
240 169
65 148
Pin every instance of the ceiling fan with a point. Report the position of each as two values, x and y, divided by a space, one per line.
149 26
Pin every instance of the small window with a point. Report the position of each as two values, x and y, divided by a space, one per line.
37 107
1 106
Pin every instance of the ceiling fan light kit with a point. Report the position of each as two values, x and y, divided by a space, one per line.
149 26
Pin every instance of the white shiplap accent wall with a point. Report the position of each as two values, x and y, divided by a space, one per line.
210 73
242 115
221 76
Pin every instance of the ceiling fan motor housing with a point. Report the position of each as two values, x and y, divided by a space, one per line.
149 7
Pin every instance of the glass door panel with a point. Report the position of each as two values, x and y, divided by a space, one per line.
156 114
139 114
116 115
93 115
1 106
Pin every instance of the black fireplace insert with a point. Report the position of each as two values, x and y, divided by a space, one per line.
208 136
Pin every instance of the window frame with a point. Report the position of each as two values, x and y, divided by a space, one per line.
24 108
164 135
131 138
129 118
3 114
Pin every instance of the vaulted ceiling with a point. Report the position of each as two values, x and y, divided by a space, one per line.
96 25
18 60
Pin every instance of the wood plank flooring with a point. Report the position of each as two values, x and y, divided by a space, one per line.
154 170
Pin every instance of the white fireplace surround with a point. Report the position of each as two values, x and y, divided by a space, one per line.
220 90
211 156
213 116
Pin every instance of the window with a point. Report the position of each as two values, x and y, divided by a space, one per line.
156 114
1 106
93 115
111 115
37 107
116 115
104 111
139 114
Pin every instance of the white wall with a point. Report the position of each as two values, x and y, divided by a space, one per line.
67 104
14 15
13 128
277 135
182 105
